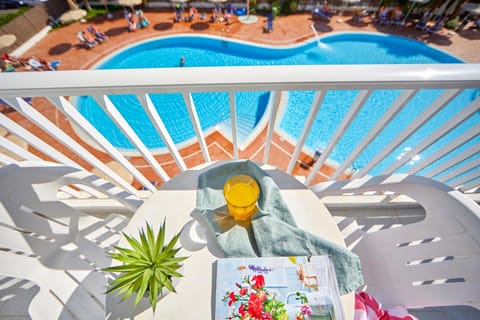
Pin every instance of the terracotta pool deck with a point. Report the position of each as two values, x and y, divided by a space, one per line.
62 44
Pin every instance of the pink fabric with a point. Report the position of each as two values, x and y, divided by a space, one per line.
367 308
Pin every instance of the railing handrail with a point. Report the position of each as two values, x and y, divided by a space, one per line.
258 78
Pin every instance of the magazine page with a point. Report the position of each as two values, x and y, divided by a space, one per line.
277 288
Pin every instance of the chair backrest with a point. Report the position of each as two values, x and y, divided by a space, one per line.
55 246
434 262
81 37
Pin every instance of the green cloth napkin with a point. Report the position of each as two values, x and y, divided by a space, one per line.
272 230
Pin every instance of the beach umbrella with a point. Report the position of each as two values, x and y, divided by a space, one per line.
72 15
6 40
452 8
129 3
414 2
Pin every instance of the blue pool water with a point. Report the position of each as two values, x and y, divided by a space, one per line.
213 108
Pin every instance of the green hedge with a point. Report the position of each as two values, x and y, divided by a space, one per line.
7 17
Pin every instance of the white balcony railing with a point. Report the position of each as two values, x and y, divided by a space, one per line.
55 143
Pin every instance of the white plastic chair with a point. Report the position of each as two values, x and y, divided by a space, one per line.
58 248
434 262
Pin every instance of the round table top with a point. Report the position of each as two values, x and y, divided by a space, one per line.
176 201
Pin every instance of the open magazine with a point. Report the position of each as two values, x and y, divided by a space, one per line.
277 288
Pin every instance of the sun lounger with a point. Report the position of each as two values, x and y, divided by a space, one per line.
320 14
87 44
435 28
476 24
99 36
384 18
35 64
421 25
142 20
55 64
240 11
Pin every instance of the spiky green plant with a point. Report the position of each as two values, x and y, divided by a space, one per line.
149 266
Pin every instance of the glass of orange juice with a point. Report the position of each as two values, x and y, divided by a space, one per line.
241 193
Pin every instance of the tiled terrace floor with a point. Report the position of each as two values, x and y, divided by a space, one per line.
62 44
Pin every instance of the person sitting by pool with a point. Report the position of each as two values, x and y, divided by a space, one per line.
89 38
15 61
396 17
203 16
6 66
142 20
182 61
132 22
214 15
383 16
436 27
84 41
228 17
193 13
99 35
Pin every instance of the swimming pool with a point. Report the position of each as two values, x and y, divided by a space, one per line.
348 48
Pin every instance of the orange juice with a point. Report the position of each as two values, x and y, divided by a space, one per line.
241 193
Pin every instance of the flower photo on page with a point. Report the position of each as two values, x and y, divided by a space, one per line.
251 300
275 288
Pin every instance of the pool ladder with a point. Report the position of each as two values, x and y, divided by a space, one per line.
315 33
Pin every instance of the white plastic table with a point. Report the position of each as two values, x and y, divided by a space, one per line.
175 201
